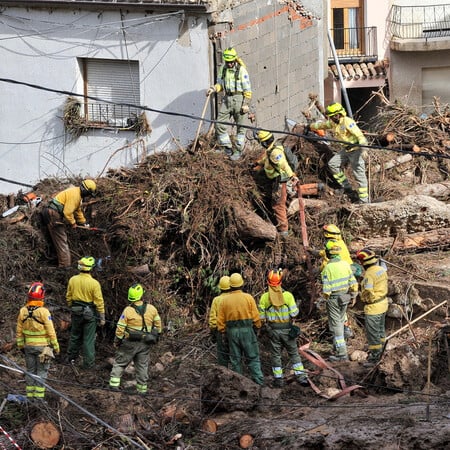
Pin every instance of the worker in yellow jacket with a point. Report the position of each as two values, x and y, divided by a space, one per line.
238 316
345 129
36 336
65 209
139 327
277 310
233 80
339 288
223 356
374 288
278 170
85 299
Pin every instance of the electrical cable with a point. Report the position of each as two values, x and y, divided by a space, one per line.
17 368
194 117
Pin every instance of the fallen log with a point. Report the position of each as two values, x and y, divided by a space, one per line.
45 435
441 191
426 240
250 225
392 163
310 203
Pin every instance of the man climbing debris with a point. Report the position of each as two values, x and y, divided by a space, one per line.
36 336
65 208
374 288
278 170
345 129
233 80
339 288
85 299
277 309
138 328
238 316
222 351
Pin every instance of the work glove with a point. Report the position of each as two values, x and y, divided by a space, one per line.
86 225
117 342
210 91
245 109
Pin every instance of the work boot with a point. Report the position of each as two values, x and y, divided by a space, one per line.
228 151
278 383
338 358
302 380
236 156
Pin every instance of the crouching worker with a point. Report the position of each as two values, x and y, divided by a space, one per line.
138 328
36 337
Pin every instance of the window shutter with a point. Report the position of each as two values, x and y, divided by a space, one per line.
112 80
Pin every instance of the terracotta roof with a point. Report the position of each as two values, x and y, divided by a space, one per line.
116 3
360 71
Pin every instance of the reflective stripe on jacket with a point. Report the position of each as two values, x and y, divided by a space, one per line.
234 80
346 130
130 319
36 331
282 169
278 314
374 288
337 278
238 306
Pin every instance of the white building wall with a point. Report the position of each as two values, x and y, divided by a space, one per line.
41 47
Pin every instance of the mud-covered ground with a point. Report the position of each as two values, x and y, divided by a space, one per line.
171 226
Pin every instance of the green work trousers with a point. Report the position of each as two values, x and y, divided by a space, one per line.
34 388
230 108
242 342
336 311
138 352
223 353
376 334
82 337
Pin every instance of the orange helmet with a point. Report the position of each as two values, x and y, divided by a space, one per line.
274 277
36 291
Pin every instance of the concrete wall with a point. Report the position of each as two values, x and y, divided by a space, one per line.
42 47
283 52
406 74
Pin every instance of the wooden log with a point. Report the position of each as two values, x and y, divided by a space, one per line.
441 191
392 163
425 240
386 139
310 203
209 425
45 435
251 226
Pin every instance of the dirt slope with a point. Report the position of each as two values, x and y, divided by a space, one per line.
171 225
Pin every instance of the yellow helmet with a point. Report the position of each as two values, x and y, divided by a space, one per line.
331 231
236 280
89 187
229 54
274 277
224 283
366 257
335 108
264 135
86 264
332 248
135 292
276 155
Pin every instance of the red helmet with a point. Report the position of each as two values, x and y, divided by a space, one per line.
36 291
274 277
366 257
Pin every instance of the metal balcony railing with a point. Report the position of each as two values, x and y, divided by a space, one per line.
110 115
355 44
419 22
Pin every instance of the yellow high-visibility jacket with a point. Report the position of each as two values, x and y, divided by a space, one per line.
215 306
35 328
344 253
277 314
84 288
130 319
374 288
282 169
238 306
337 278
70 201
234 80
346 130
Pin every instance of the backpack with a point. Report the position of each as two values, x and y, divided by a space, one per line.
291 158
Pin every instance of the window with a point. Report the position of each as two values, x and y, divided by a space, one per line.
346 17
113 81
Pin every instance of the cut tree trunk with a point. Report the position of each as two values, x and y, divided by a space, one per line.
45 435
429 240
441 191
250 225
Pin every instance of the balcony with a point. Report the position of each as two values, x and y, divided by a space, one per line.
419 28
354 44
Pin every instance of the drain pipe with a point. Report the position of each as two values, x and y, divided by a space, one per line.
341 78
